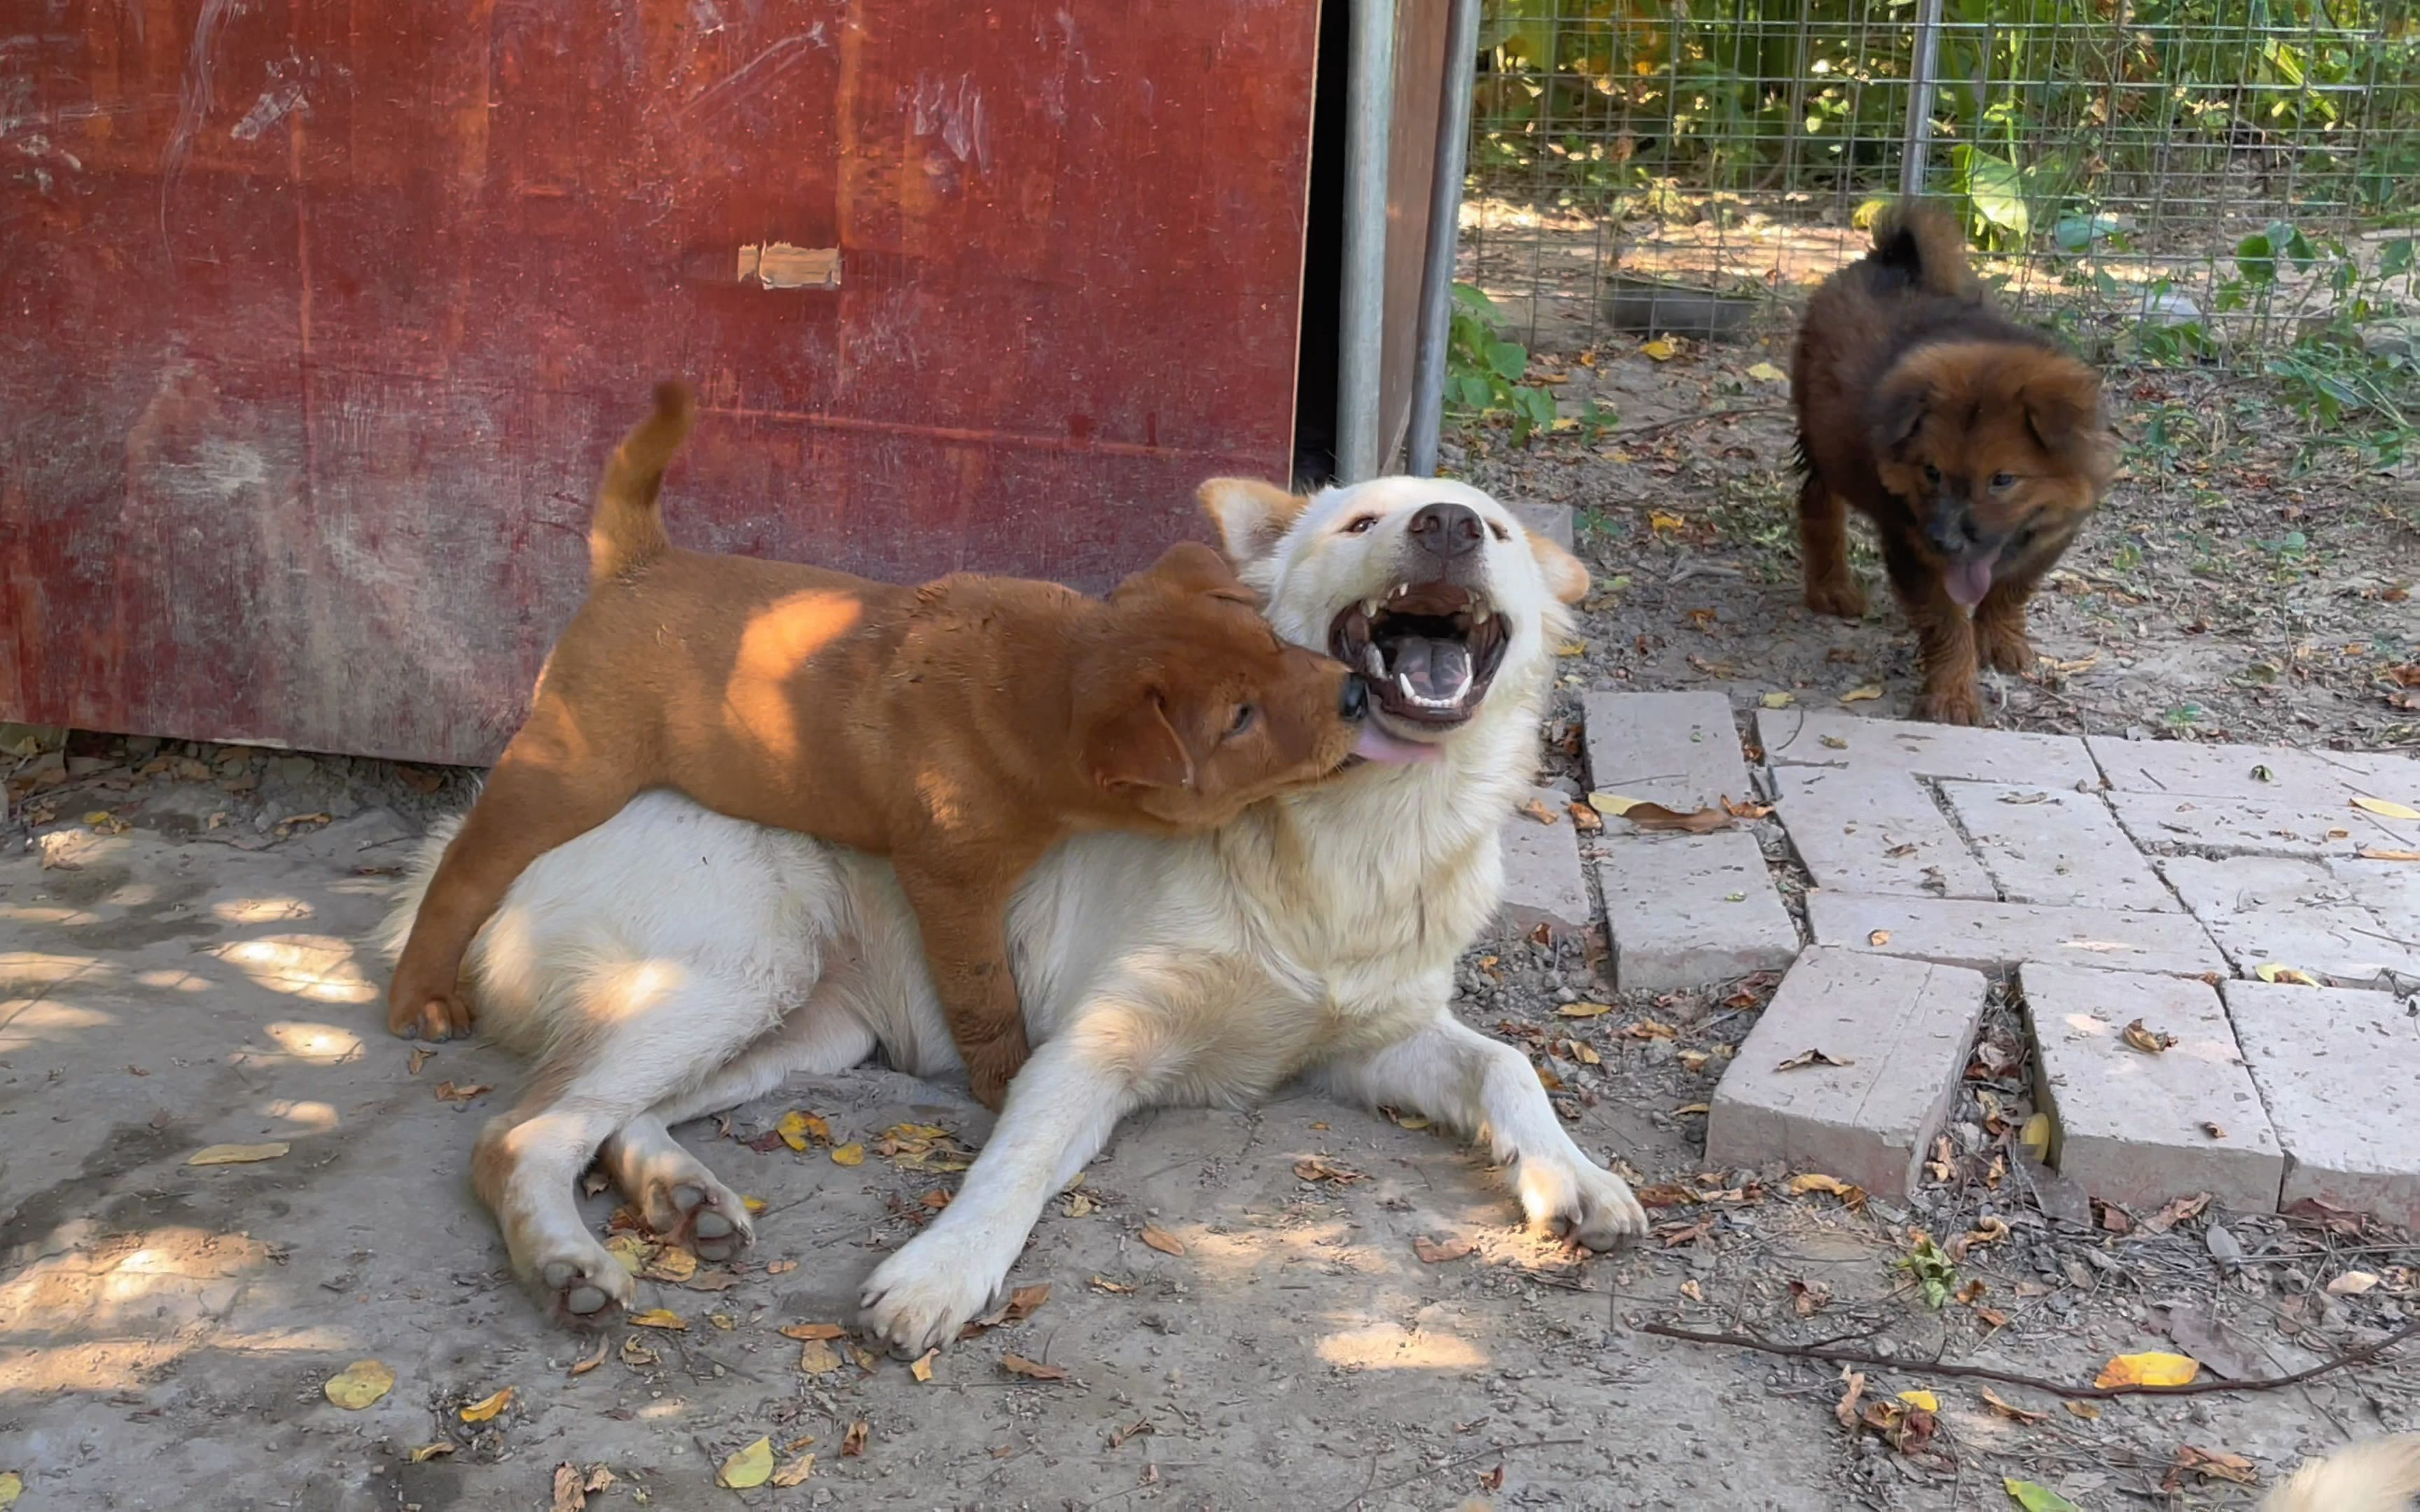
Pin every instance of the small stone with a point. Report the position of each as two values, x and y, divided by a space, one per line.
2224 1247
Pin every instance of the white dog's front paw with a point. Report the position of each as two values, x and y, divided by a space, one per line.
920 1297
1573 1197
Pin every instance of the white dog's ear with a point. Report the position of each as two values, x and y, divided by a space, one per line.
1251 516
1566 576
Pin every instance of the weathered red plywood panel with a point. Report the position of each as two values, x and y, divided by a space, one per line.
319 316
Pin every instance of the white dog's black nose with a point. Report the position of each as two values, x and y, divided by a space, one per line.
1447 530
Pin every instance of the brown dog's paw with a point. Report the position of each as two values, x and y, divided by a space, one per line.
2004 646
1950 706
991 1065
432 1017
1837 597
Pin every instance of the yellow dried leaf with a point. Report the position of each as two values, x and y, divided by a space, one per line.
2011 1410
2352 1284
2273 971
1080 1205
1862 695
922 1367
590 1360
853 1441
1779 700
2377 852
671 1264
1549 1080
358 1384
660 1317
815 1357
423 1454
1585 1054
748 1467
1798 1187
813 1330
637 1355
1767 373
2386 808
1537 810
1017 1365
1102 1283
632 1251
722 1321
488 1405
2150 1041
1878 937
798 1129
1611 803
237 1154
1923 1400
1583 1010
1433 1253
1659 350
1692 1110
1162 1241
12 1486
796 1472
1570 648
2035 1137
2153 1368
852 1153
753 1205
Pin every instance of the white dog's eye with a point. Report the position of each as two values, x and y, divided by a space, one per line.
1360 526
1501 534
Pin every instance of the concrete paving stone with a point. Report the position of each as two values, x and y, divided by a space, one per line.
2390 889
1868 831
2056 845
1543 880
2322 779
1904 1026
1688 910
2272 910
2258 826
2340 1072
1992 937
1826 738
1553 521
2137 1128
1679 749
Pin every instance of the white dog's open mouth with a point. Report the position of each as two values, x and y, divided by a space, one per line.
1430 651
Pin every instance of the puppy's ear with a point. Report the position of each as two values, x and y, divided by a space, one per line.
2063 411
1251 516
1566 576
1897 411
1134 747
1189 568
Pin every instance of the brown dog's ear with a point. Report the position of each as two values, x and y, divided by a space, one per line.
1566 576
2063 413
1191 567
1138 748
1251 516
1897 411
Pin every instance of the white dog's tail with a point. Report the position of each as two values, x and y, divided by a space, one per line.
2383 1476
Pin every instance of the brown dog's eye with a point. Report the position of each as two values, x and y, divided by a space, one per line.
1501 534
1932 474
1245 714
1361 525
2004 480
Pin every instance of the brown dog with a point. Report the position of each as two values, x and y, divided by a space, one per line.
1976 446
961 728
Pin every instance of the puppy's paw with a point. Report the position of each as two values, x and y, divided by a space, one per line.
436 1017
694 1211
1840 597
582 1285
2004 646
992 1063
1577 1199
1950 706
920 1297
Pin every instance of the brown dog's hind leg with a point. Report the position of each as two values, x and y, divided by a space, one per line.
538 796
1823 552
1945 639
963 912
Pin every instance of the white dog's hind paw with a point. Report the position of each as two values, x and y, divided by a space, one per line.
920 1297
1580 1200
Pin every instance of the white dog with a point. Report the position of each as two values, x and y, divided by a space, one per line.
672 962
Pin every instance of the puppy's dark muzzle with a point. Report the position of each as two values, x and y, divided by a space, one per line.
1354 702
1952 531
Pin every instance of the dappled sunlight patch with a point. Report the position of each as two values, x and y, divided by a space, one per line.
318 966
25 972
108 1317
322 1044
1393 1347
174 980
261 910
41 1020
305 1116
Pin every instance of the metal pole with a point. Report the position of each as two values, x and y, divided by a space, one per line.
1444 234
1369 110
1917 145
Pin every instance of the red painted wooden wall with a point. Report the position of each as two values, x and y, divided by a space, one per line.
318 317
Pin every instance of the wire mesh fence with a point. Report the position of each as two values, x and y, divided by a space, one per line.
2199 177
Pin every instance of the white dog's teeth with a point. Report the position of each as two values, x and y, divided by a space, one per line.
1375 660
1403 682
1479 613
1369 608
1400 590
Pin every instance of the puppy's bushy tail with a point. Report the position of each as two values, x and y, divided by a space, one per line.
1924 245
2383 1476
627 528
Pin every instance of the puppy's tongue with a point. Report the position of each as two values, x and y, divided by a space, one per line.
1377 746
1968 581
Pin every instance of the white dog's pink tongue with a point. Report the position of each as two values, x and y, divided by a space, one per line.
1375 745
1968 582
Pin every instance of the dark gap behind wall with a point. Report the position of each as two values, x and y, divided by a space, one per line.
1322 284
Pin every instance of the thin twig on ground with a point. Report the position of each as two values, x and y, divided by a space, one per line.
2359 1355
1368 1491
1678 420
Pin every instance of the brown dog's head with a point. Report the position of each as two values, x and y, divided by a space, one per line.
1189 707
1998 448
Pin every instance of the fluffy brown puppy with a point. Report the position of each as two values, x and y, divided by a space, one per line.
1976 446
961 729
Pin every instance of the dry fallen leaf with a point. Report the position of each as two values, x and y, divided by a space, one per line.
1880 936
2035 1137
2386 808
1813 1057
1798 1187
592 1359
1162 1241
420 1056
12 1486
237 1154
1921 1401
1659 350
1808 1298
1846 1407
852 1444
2083 1410
1433 1253
797 1128
488 1405
2276 971
450 1092
1767 373
1078 1205
816 1358
1583 1010
922 1367
572 1487
748 1467
796 1472
852 1153
1537 810
358 1384
2147 1040
1583 1053
2213 1128
1017 1365
670 1264
423 1454
2377 852
813 1330
1779 700
1320 1168
1862 695
1102 1283
2010 1410
1585 818
2211 1464
1655 818
2037 1498
2351 1284
660 1317
2153 1368
636 1354
1692 1110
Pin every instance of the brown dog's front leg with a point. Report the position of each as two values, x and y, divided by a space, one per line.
534 800
2000 636
1945 640
962 908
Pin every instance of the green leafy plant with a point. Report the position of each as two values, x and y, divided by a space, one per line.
1930 1268
1483 370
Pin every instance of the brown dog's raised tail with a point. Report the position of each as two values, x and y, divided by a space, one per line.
627 528
2383 1476
1925 245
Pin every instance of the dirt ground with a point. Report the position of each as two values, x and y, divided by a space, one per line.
1272 1308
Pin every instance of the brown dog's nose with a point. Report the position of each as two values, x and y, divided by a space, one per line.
1447 530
